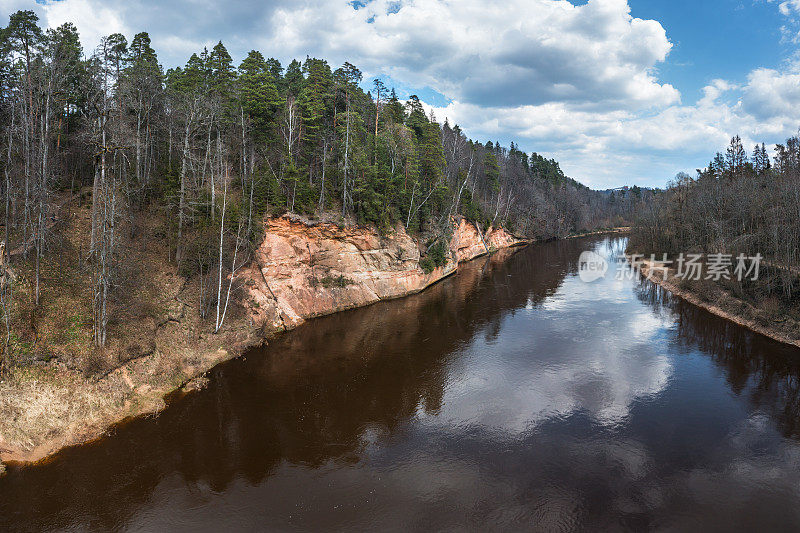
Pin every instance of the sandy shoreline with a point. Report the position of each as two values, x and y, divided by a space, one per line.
612 231
672 287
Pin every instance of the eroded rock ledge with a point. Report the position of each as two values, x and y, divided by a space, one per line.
303 270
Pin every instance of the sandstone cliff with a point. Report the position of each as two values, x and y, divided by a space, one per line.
303 270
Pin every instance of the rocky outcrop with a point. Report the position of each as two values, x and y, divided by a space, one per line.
467 242
303 270
497 238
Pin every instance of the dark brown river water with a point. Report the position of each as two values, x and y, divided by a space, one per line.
511 396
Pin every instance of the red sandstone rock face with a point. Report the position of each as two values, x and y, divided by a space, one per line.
467 242
305 270
497 238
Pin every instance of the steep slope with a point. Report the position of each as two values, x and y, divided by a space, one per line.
303 270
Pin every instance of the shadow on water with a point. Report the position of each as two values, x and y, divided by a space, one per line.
765 372
306 399
273 426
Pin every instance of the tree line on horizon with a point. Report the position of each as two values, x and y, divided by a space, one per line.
211 148
738 204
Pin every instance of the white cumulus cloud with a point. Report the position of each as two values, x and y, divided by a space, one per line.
519 52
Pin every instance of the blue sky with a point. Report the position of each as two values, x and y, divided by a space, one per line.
716 39
619 91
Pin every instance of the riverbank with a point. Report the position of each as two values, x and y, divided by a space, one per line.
302 269
723 304
610 231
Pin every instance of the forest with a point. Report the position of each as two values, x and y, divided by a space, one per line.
183 164
739 204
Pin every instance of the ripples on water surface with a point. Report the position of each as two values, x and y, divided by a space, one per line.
510 396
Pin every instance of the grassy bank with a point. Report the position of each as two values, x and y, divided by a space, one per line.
768 316
607 231
60 390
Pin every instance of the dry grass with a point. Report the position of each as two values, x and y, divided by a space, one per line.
39 404
769 316
60 390
48 406
772 307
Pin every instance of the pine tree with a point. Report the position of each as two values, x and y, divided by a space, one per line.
258 95
221 66
142 84
314 99
394 109
416 115
294 78
735 158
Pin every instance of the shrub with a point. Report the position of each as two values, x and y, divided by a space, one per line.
330 282
438 253
705 290
426 264
435 257
772 307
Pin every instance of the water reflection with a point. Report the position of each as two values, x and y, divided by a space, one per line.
764 372
587 349
511 394
316 395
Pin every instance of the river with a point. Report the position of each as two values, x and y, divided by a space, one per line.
511 396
